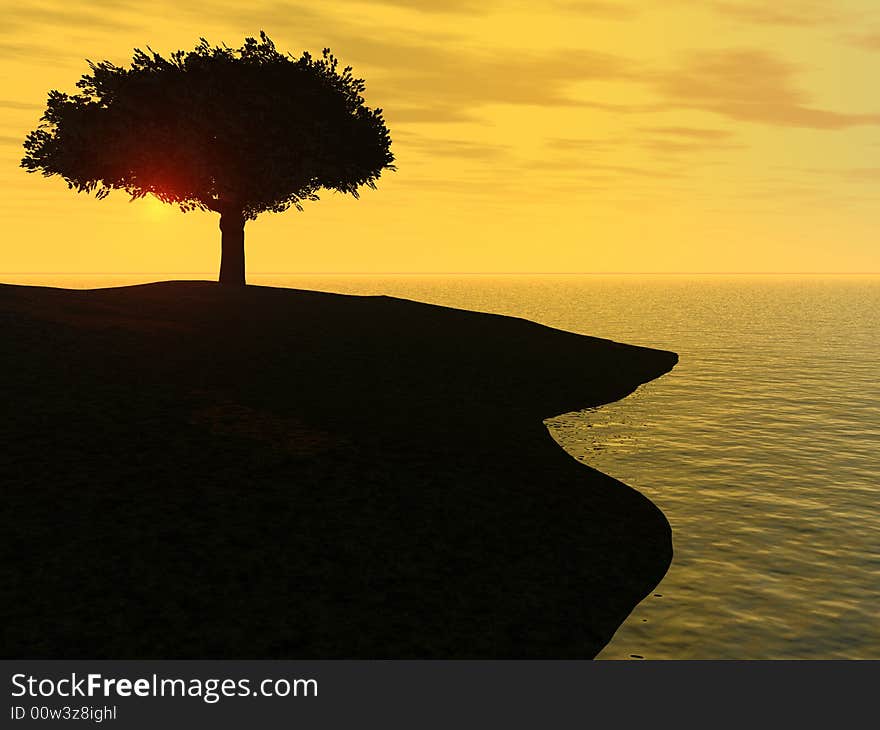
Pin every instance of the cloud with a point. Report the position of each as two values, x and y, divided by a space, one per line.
567 144
467 7
856 174
871 41
439 83
460 77
19 51
780 12
435 76
689 132
432 113
444 147
682 140
666 140
668 146
869 174
750 86
600 171
430 75
445 82
20 17
601 9
632 170
18 105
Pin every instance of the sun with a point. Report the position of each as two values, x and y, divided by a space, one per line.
154 209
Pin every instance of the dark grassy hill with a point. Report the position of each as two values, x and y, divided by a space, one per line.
190 472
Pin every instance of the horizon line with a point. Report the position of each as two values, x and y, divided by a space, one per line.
213 274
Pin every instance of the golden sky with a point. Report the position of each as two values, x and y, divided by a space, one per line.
553 136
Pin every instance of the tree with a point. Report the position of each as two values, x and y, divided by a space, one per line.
235 131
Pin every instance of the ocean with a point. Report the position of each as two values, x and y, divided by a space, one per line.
762 446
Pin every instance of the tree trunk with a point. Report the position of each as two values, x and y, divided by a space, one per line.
232 248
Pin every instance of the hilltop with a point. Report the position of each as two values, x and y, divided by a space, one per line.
194 472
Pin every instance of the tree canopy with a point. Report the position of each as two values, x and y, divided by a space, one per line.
249 129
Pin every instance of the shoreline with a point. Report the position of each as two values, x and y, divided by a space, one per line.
277 473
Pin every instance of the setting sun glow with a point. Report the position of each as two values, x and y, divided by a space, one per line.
610 136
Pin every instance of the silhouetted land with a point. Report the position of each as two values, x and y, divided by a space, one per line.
191 472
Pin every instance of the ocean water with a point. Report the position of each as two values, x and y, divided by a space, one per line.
762 446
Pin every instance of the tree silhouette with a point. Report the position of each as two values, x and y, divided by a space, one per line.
235 131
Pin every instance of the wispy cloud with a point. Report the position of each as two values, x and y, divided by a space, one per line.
662 140
438 113
444 7
870 174
607 9
436 83
677 147
432 76
871 41
689 132
21 17
435 75
751 86
18 105
780 12
37 52
685 140
632 170
568 144
588 168
445 147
